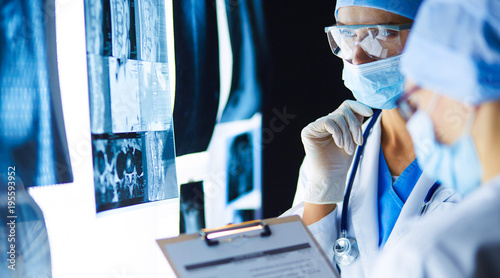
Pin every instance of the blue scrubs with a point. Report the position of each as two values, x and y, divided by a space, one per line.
392 197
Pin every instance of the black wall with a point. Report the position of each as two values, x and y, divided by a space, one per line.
304 80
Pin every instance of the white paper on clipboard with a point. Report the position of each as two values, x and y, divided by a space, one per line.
288 251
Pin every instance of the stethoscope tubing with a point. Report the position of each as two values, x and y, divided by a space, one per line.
359 152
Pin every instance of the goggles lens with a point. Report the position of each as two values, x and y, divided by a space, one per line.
377 41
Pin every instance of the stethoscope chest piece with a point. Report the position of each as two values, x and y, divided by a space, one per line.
345 250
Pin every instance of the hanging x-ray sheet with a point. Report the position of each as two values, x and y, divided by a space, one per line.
197 74
32 132
192 208
130 109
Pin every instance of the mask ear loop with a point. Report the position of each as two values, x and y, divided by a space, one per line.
470 121
432 104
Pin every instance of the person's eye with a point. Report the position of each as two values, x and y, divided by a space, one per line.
387 33
347 33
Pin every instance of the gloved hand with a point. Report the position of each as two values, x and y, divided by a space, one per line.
330 143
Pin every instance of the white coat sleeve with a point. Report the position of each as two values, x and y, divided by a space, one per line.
398 262
301 185
325 231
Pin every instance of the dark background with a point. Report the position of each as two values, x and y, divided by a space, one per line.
298 78
304 78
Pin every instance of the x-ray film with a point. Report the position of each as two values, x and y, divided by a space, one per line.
133 168
240 167
120 22
243 215
119 175
160 161
99 97
151 30
192 208
130 109
98 27
128 95
154 87
124 90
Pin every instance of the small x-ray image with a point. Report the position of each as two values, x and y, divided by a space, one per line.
121 16
243 215
124 92
127 29
192 208
99 94
133 168
119 176
98 27
240 167
161 178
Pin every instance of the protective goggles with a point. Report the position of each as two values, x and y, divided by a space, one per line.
378 41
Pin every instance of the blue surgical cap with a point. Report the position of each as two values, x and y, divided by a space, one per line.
406 8
454 49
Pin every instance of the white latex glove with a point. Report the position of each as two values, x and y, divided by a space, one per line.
330 143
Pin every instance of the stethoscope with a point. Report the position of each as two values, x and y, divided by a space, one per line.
345 248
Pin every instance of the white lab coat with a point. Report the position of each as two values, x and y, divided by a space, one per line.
462 243
363 208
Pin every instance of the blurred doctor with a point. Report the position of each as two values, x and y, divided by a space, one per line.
453 109
385 187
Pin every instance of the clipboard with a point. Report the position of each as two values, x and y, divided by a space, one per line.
275 247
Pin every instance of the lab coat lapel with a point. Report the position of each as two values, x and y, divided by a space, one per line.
411 209
363 204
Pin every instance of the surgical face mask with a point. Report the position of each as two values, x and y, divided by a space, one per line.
377 84
456 165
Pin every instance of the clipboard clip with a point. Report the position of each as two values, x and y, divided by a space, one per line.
212 236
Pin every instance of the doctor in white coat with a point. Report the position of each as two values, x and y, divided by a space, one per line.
388 190
452 62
